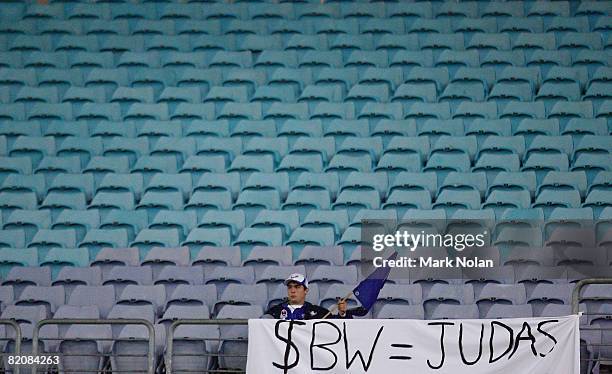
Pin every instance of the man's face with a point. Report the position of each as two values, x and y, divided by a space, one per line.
296 293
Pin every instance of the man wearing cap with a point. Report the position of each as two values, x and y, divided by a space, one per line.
297 308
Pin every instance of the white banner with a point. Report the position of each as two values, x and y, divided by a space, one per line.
525 346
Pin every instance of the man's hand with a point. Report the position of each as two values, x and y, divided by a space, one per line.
342 307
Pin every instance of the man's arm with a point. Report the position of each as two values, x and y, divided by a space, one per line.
322 312
274 311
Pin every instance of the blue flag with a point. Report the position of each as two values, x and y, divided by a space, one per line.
367 291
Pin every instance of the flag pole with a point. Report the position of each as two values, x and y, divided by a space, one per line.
335 306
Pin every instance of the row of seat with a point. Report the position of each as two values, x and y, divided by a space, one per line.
224 264
212 299
92 230
184 70
360 94
564 243
50 178
351 170
361 190
47 246
326 111
438 220
179 285
503 41
45 242
339 139
220 347
317 11
242 85
320 67
93 138
544 181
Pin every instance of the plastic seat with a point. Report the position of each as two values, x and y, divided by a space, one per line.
136 295
274 146
184 221
220 236
484 38
247 130
251 237
222 276
20 277
13 169
312 256
355 200
12 238
97 239
404 199
504 92
48 297
158 258
50 167
358 181
439 162
305 236
79 221
455 311
46 239
229 182
212 257
340 130
393 311
470 111
326 275
10 201
543 9
262 259
121 276
453 60
469 199
13 129
254 201
148 238
518 111
344 164
318 181
542 163
545 59
34 148
29 222
306 200
11 257
286 220
170 277
495 295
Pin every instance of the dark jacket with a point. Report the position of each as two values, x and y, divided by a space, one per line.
307 311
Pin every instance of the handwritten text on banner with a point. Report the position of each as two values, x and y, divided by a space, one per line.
526 346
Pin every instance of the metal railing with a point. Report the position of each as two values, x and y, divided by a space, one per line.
594 358
169 356
17 339
151 338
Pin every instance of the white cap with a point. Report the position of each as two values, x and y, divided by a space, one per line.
297 278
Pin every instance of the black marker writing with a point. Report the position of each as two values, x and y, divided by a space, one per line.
519 337
322 346
511 343
358 352
443 324
479 345
398 357
540 325
289 345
